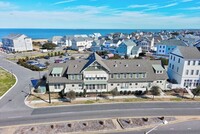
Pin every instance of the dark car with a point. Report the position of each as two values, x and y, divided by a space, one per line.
46 57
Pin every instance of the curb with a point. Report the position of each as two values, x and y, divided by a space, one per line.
12 86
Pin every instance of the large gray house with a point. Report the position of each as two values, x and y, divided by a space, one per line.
98 75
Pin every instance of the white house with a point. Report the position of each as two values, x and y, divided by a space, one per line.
17 43
184 66
58 40
79 44
128 47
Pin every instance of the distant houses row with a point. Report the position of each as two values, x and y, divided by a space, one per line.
117 43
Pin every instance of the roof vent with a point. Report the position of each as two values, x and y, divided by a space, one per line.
115 65
138 65
75 66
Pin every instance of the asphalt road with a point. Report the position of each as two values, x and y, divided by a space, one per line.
13 111
189 127
14 100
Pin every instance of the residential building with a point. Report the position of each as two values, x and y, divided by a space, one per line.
184 66
165 47
58 40
81 43
128 47
17 43
95 74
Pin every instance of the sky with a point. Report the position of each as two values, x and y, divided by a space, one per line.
100 14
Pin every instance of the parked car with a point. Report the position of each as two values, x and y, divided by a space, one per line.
46 57
59 61
41 66
32 62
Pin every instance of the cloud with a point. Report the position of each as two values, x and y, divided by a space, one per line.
139 6
7 6
155 7
186 1
77 19
192 8
62 2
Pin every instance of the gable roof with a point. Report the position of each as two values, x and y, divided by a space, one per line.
129 43
172 42
188 52
13 36
95 57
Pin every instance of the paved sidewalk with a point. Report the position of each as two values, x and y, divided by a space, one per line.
100 98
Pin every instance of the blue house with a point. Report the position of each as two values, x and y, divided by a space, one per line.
167 46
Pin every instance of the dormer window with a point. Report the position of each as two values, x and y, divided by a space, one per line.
158 68
57 72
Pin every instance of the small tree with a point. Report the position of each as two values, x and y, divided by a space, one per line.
72 58
72 95
114 93
49 46
155 91
196 91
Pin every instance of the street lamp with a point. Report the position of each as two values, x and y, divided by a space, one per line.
164 122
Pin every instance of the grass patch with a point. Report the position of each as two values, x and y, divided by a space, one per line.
7 80
176 99
89 102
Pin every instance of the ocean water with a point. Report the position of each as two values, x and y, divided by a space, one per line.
49 33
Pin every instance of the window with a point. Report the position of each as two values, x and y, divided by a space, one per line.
72 77
171 57
160 81
136 83
172 66
118 76
199 63
194 62
80 85
187 72
124 76
179 60
163 51
174 58
197 72
189 62
160 46
111 84
130 75
192 72
163 46
168 48
111 76
137 75
72 85
130 84
177 69
78 77
57 86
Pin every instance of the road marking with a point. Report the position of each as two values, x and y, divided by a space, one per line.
171 128
15 117
189 128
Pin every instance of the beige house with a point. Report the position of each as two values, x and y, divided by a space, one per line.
98 75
